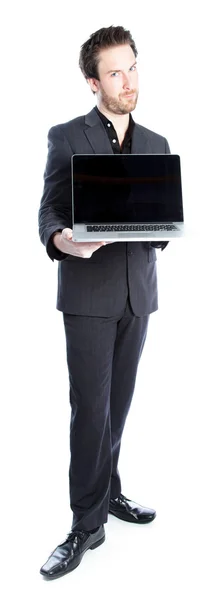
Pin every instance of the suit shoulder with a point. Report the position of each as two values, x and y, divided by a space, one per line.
151 135
68 125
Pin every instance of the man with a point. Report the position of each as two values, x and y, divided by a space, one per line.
106 293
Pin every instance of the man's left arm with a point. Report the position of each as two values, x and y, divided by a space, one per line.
162 245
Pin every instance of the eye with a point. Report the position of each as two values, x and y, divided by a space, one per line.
115 73
134 67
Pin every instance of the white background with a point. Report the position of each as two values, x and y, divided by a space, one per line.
169 450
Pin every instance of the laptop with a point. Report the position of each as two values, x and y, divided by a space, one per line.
126 197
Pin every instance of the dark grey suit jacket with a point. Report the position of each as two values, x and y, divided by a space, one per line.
96 286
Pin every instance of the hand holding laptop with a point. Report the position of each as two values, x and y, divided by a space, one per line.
63 241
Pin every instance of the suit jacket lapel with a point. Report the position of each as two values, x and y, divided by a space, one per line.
140 142
96 134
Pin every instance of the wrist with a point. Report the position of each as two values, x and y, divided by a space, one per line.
56 238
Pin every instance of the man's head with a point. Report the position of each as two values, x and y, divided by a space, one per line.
108 63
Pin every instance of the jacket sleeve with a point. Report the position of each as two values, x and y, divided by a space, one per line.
162 245
55 212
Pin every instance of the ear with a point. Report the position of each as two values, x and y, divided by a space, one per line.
93 83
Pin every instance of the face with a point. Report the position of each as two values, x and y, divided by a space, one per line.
117 90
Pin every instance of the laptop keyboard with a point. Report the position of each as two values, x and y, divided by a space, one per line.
131 227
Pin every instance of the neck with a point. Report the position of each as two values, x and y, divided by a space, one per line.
120 122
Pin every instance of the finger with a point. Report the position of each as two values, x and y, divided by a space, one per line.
95 244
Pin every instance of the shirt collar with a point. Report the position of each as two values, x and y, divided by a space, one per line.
105 120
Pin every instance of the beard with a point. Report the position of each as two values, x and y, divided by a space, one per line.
120 105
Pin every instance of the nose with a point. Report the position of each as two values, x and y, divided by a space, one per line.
127 81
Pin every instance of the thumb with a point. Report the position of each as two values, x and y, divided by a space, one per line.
67 233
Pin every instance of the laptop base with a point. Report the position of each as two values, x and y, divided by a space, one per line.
80 234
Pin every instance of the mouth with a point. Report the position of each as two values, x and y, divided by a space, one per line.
129 95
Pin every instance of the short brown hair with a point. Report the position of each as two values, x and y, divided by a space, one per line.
106 37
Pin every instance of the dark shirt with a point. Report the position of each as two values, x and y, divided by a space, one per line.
125 148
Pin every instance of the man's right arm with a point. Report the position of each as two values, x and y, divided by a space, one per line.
55 212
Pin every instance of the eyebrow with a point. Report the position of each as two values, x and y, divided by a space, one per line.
118 70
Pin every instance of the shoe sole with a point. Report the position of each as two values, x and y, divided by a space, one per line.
76 563
130 519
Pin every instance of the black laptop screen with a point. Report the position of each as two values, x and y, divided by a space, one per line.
126 188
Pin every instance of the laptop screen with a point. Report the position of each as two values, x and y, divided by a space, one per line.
126 188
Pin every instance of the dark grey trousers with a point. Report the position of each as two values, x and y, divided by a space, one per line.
102 355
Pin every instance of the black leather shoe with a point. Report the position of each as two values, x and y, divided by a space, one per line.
68 555
127 510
